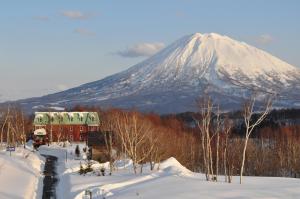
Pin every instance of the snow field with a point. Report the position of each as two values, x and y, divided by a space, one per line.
21 174
20 177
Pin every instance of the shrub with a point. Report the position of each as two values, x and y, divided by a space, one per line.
87 169
81 170
102 171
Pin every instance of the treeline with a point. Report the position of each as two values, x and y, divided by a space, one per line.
15 126
207 142
270 152
148 137
274 120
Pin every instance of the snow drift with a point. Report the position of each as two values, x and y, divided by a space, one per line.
172 167
20 174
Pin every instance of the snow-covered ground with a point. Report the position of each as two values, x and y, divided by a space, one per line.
172 180
21 174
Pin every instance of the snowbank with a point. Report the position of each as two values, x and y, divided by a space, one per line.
171 181
171 167
20 174
174 181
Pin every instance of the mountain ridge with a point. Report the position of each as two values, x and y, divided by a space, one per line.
172 79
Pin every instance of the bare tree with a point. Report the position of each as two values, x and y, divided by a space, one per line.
107 127
5 115
59 129
108 137
217 133
51 119
204 125
133 131
226 131
155 154
9 138
151 148
251 123
18 125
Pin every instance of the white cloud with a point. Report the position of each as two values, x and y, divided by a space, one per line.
75 14
142 49
41 18
84 31
62 87
264 39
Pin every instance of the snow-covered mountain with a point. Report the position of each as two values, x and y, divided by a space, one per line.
172 79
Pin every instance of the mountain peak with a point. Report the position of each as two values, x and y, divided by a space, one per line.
199 50
195 35
206 35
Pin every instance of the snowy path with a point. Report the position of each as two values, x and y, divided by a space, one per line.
50 179
63 186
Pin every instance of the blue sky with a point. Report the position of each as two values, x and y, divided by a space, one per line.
51 45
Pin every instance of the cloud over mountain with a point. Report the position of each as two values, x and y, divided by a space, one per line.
76 15
264 39
142 49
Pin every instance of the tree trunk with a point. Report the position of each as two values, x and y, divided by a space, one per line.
224 163
204 156
134 167
217 158
243 160
8 135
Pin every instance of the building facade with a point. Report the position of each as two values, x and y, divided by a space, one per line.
71 126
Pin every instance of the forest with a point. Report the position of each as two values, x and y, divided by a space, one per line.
246 142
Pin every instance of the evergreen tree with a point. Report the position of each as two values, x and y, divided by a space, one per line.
77 151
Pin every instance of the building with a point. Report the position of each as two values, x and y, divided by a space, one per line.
97 147
72 126
99 144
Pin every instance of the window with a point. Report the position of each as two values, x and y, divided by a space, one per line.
81 137
71 128
81 128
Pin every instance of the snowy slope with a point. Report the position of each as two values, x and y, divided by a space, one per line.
181 183
170 81
20 174
172 180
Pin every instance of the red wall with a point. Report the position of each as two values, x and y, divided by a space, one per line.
68 132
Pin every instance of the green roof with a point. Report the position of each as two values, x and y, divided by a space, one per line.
66 118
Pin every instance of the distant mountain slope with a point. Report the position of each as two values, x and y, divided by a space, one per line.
196 64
